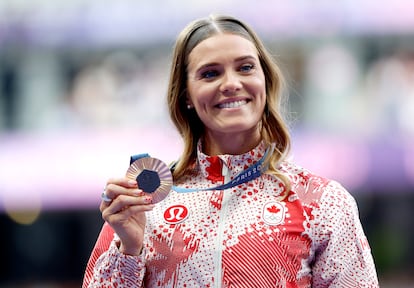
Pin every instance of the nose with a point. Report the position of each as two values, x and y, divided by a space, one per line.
231 83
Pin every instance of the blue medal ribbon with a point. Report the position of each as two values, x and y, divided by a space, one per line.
251 173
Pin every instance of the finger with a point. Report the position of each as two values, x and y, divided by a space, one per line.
123 182
113 192
124 201
126 212
115 187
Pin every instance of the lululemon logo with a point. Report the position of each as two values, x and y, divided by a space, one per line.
175 214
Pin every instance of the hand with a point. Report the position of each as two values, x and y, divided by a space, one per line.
126 213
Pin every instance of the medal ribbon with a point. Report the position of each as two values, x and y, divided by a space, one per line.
251 173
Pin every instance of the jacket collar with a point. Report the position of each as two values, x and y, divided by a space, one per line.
216 168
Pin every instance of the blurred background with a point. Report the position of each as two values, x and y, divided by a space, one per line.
82 87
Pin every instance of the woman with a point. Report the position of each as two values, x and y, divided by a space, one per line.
273 224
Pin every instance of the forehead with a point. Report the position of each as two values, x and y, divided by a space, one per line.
220 47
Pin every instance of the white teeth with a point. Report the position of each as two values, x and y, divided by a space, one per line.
233 104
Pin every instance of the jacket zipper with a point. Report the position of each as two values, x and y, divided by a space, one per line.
223 213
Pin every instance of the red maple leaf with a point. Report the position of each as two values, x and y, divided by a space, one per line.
273 209
172 255
215 169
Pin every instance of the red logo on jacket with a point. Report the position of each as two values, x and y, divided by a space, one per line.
175 214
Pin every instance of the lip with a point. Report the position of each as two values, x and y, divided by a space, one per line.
232 100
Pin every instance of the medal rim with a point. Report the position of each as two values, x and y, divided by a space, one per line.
158 166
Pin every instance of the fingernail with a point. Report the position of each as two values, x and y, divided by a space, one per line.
139 192
132 183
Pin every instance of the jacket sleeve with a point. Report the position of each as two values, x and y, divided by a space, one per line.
342 254
107 267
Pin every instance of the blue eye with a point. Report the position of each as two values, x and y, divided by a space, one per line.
209 74
246 67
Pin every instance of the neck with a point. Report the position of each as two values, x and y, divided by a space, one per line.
227 143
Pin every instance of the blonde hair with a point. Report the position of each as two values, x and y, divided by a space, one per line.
189 125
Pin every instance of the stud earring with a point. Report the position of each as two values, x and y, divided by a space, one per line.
189 106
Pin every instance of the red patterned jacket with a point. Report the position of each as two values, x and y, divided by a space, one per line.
245 236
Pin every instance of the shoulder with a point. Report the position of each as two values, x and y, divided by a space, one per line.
312 188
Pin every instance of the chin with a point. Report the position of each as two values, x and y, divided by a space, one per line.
238 128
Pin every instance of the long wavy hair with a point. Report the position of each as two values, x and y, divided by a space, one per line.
273 127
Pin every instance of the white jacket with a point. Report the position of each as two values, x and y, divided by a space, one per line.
245 236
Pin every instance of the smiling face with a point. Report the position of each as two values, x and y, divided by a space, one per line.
226 86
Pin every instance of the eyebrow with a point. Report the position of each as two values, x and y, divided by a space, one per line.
238 59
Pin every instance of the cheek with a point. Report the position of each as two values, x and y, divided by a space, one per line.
200 94
258 88
261 83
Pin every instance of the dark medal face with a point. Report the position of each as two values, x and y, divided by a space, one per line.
148 180
153 176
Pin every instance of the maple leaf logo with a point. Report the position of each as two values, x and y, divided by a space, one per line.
273 209
274 213
215 169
